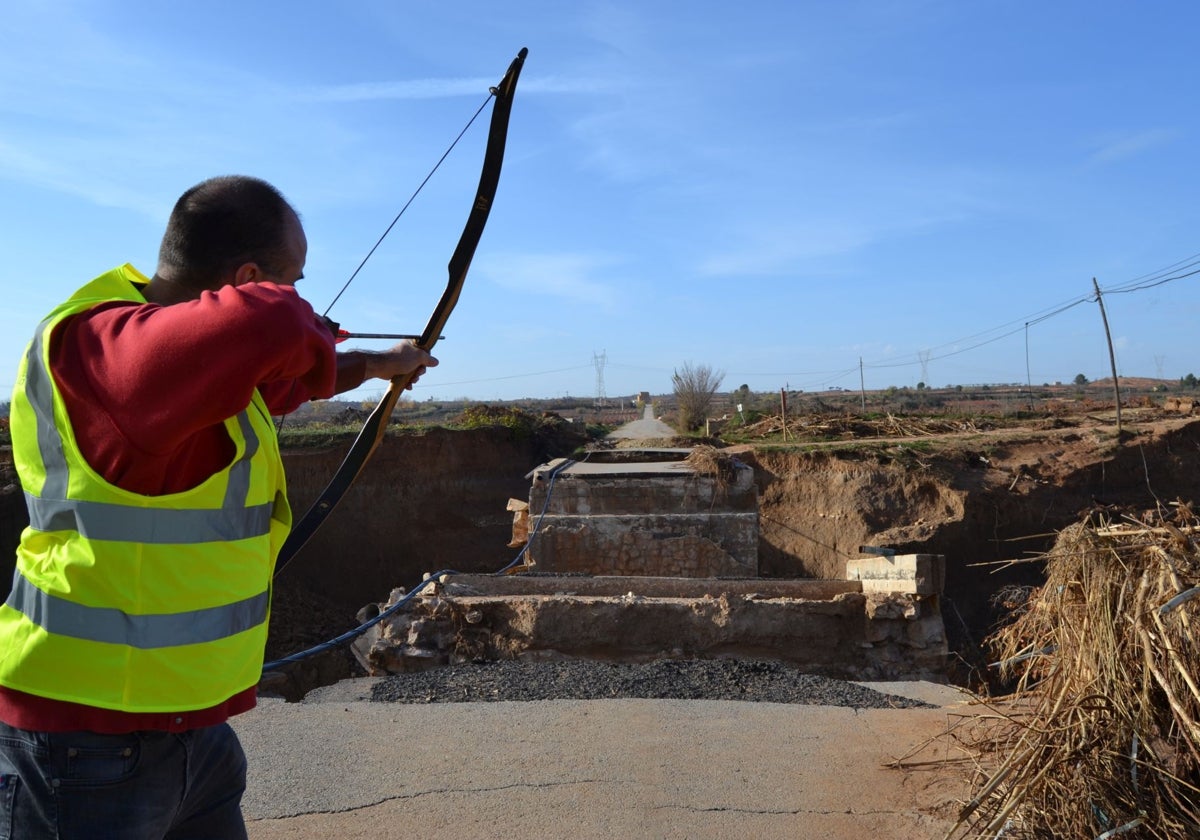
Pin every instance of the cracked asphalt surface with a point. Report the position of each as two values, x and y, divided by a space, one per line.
342 766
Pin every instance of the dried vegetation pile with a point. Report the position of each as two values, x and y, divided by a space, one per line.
1102 736
712 462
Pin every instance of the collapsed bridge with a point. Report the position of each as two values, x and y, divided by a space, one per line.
635 555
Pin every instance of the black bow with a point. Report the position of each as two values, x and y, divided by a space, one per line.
376 425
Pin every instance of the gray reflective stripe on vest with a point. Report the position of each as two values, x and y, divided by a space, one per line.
104 624
52 511
238 489
121 523
40 393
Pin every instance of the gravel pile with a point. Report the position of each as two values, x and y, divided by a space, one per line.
709 679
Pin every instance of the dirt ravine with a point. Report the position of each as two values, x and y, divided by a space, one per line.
978 499
437 500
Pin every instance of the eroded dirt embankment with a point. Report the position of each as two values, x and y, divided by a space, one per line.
436 499
425 502
977 499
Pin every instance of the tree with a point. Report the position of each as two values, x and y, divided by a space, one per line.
695 386
1189 381
1080 380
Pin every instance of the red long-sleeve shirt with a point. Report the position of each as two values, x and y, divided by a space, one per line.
148 389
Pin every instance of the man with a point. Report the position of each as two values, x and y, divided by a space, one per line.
142 434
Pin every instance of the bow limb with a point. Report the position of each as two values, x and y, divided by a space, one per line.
372 432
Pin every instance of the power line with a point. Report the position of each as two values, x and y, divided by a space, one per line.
499 378
1187 267
1145 281
1186 262
1150 285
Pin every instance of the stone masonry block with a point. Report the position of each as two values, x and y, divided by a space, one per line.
914 574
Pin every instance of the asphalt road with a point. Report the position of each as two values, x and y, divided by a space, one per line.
645 429
340 766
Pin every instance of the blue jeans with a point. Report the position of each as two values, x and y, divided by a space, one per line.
140 786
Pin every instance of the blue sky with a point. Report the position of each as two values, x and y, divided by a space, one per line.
773 189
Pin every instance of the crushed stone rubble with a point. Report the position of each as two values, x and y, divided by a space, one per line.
709 679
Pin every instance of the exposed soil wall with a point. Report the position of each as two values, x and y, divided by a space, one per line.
977 500
425 502
437 499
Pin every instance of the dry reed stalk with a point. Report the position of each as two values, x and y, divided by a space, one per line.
1107 741
712 462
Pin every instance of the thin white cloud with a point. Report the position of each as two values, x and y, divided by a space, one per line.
440 89
1122 148
408 89
568 276
854 216
604 143
21 165
566 84
774 250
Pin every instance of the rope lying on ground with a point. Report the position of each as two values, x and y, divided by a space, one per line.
429 579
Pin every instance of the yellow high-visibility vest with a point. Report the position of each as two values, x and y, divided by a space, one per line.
131 602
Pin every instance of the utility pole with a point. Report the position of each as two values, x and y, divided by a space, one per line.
1028 377
783 409
1112 357
599 360
862 385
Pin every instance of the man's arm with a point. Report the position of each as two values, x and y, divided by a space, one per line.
354 367
159 374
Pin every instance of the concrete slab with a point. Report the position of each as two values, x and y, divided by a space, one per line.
648 586
345 768
918 574
635 468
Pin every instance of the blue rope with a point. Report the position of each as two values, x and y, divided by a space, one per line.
357 631
350 635
538 524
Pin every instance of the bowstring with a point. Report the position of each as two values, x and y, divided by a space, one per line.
416 192
383 236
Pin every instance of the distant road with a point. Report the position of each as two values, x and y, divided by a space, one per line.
645 429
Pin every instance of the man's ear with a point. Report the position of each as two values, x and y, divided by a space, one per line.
247 273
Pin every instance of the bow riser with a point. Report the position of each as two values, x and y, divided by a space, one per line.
372 432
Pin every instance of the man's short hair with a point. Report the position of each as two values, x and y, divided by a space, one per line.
222 223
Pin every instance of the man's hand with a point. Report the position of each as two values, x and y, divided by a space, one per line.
403 358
